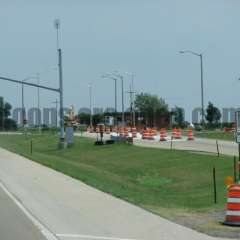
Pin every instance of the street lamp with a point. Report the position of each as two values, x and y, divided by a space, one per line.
3 113
37 77
132 98
109 76
117 74
90 102
201 66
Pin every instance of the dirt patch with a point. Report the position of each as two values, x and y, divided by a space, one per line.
205 222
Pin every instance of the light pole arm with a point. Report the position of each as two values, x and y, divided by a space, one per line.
30 84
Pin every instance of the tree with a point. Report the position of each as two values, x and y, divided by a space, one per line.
150 107
178 114
213 114
5 111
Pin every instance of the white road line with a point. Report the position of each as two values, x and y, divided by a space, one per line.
91 237
46 233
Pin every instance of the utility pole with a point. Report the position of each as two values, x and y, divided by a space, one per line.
123 114
59 50
115 87
3 114
23 108
39 111
133 99
121 78
90 102
131 94
202 96
62 134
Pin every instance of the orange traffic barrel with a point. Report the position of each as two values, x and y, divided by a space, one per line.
145 134
121 132
134 132
190 135
174 133
163 135
126 132
153 132
178 134
233 206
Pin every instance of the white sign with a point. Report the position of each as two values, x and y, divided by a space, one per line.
69 135
238 127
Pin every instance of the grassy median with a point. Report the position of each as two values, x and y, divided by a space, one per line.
175 184
226 136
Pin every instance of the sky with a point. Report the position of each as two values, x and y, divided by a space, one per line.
139 36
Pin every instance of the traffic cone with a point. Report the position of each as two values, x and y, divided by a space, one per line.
233 206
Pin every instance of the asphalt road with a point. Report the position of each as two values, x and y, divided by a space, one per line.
72 210
14 224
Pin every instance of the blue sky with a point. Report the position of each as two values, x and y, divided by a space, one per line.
140 36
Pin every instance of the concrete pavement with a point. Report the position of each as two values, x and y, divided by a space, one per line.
14 224
72 210
199 144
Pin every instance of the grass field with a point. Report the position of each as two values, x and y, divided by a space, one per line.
174 184
215 135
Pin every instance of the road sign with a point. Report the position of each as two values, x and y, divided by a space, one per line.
238 127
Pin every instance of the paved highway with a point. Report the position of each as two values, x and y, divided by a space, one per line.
67 209
14 224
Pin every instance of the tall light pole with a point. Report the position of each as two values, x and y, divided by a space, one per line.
132 98
109 76
62 134
23 108
3 113
37 77
117 74
90 103
39 112
123 117
200 55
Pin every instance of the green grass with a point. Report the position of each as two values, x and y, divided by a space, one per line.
167 182
216 135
